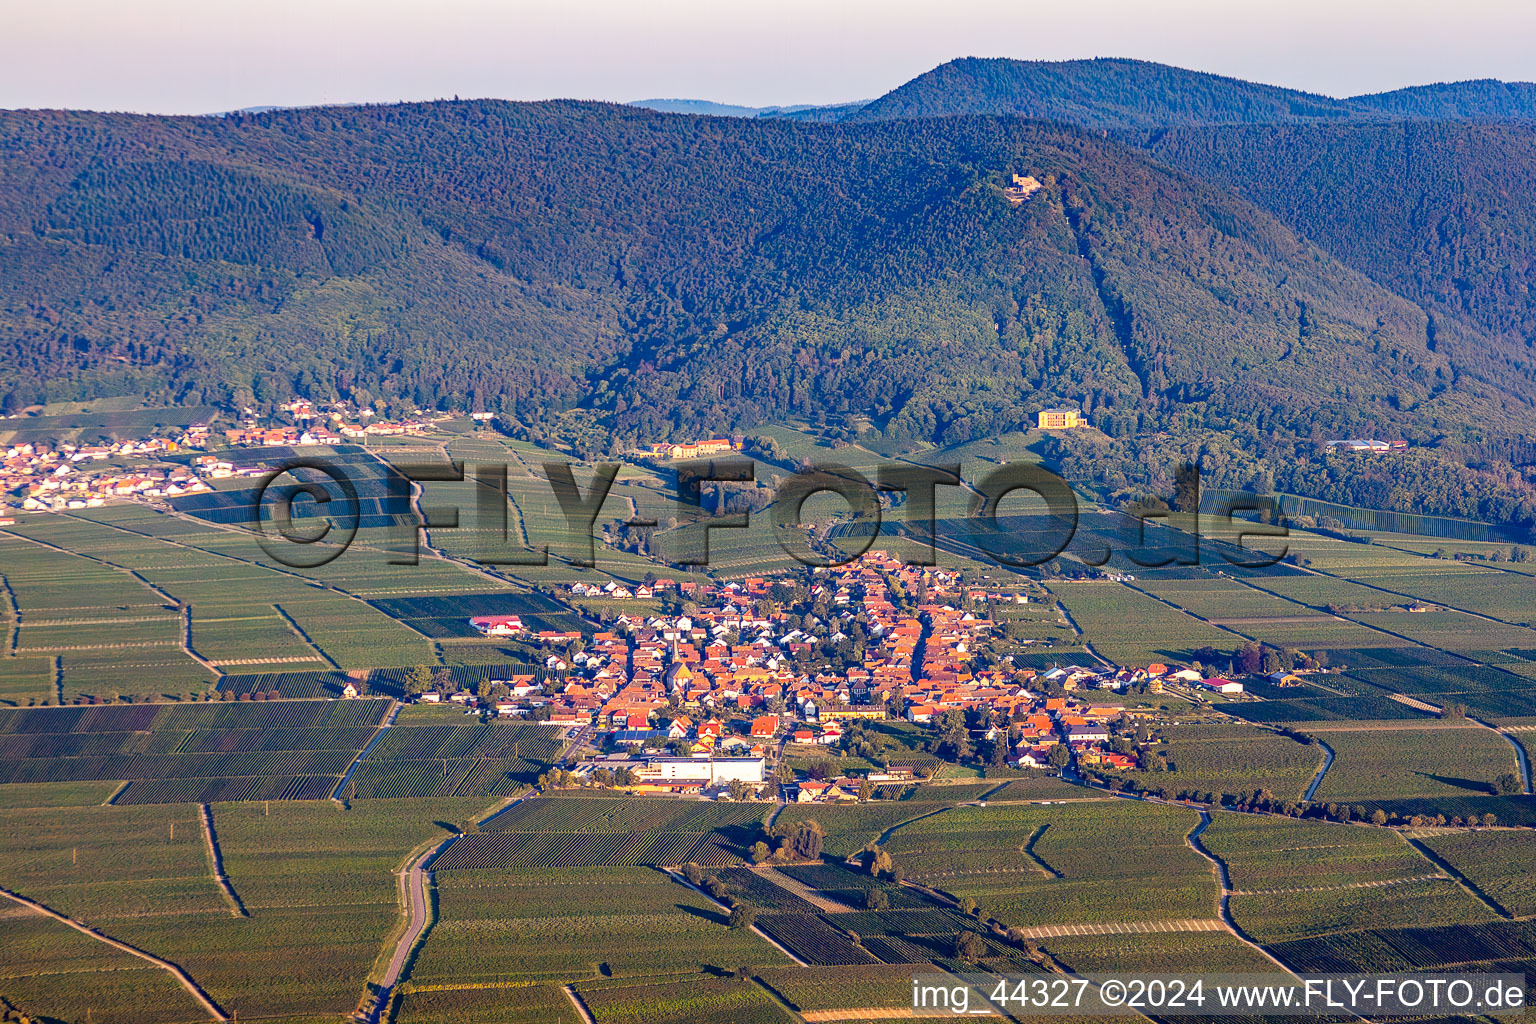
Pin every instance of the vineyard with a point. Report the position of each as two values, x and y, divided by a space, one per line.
1158 953
1273 917
1494 946
1495 862
487 1004
696 1001
447 616
510 849
620 814
830 988
1228 759
493 759
566 924
838 882
1295 878
1097 861
1280 853
315 878
813 940
192 752
850 827
569 831
747 886
202 791
1393 762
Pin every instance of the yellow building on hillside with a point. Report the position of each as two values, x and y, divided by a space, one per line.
1059 419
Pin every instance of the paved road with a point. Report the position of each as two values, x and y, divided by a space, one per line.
1317 780
579 1004
418 908
578 740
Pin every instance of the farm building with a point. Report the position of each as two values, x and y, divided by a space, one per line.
497 625
700 771
1221 685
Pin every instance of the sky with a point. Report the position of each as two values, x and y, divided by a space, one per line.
177 56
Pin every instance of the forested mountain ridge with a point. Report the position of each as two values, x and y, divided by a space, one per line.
700 271
659 275
1105 94
1119 95
1440 212
1485 99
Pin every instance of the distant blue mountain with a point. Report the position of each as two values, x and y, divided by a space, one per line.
800 112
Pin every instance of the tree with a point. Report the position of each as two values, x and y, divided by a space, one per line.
880 863
1186 488
760 852
967 906
876 899
866 790
693 873
738 790
807 840
742 917
418 680
1059 757
1508 784
969 946
1378 817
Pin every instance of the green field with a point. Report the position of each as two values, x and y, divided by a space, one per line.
314 878
1383 760
1295 878
1103 861
1132 629
566 924
1497 862
1233 759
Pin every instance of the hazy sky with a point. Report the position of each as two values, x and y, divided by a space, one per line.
198 56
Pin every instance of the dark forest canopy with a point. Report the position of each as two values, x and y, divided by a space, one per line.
1119 95
670 275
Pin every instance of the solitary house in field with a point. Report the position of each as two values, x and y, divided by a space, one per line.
497 625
